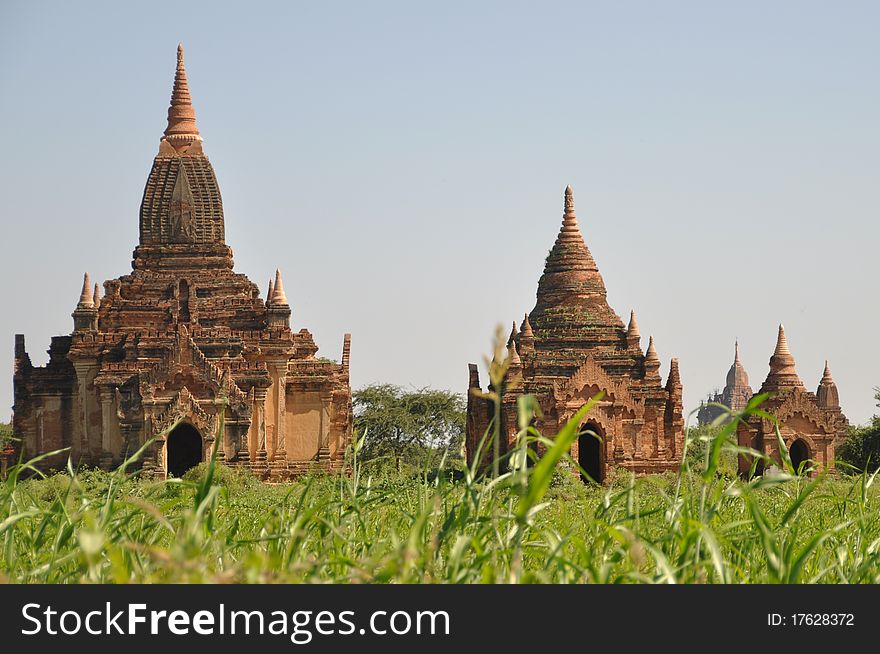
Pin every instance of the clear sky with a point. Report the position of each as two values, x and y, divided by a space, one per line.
404 164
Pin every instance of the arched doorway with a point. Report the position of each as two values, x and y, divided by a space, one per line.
590 452
184 449
799 453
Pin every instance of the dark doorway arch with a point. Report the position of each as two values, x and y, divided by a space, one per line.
799 453
590 452
184 449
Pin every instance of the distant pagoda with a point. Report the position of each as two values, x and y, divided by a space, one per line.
735 396
569 348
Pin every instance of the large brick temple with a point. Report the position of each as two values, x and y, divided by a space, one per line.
569 348
183 343
811 424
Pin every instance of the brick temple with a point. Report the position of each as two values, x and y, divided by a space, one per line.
735 396
569 348
183 343
811 424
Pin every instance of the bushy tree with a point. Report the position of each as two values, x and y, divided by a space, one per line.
861 449
411 426
5 433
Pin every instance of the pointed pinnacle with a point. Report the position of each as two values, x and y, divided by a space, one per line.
526 328
651 353
278 296
86 299
633 329
782 343
181 115
826 375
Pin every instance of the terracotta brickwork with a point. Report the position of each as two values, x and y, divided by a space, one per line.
811 424
183 342
569 348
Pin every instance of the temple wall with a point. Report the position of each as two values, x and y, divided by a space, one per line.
303 425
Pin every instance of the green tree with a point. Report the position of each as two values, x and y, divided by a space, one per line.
861 449
5 433
412 426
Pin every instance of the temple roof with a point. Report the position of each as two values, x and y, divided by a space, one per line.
571 299
782 373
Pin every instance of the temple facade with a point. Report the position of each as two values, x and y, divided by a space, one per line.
735 396
811 424
183 352
569 348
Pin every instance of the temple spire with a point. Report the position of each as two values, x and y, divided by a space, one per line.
827 393
782 366
86 299
96 296
278 295
826 375
652 362
271 291
633 328
570 228
736 352
651 353
781 343
181 128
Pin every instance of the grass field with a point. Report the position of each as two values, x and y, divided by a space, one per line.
535 523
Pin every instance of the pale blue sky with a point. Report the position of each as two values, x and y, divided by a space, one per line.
403 163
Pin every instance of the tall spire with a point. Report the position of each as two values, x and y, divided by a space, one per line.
781 343
271 291
570 231
782 367
86 299
181 128
571 294
737 391
278 296
96 296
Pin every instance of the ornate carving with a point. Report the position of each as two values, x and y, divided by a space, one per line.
181 208
184 407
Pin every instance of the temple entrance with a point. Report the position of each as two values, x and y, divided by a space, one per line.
184 449
799 453
590 452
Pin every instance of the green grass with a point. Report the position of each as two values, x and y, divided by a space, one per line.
375 525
